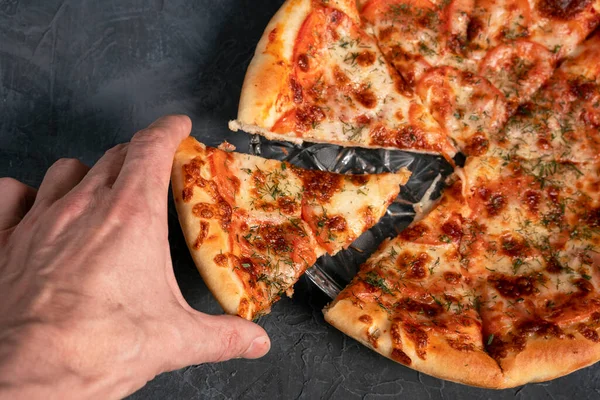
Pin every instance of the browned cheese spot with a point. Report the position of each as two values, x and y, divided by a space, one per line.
396 335
318 185
366 58
553 265
373 338
414 232
401 357
593 218
477 145
585 287
221 260
475 28
589 333
453 230
419 337
514 247
191 175
340 77
452 277
562 9
431 310
495 205
308 117
539 327
367 216
532 200
204 226
243 307
366 97
221 211
303 62
273 35
359 180
406 137
414 265
461 344
203 210
513 287
337 224
297 95
287 205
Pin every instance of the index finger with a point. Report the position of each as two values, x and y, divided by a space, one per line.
149 159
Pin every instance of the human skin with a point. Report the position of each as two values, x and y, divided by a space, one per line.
90 306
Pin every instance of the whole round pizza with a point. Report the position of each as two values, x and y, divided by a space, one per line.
497 283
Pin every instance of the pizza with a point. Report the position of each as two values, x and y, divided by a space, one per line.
253 226
563 130
413 302
419 75
496 284
474 62
499 285
318 76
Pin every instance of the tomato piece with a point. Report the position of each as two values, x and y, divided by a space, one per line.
223 171
518 69
468 106
497 21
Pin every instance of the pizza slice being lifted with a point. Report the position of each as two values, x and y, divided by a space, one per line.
317 76
254 226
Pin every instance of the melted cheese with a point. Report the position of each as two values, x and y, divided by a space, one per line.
252 214
343 91
468 106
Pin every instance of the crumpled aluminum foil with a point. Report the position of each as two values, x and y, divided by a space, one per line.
332 274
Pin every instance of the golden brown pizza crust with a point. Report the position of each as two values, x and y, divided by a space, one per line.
266 91
226 286
474 367
545 359
542 360
266 83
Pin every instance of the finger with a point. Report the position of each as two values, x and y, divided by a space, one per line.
150 154
107 169
60 179
219 338
16 200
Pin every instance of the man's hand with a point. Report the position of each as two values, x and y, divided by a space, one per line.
90 307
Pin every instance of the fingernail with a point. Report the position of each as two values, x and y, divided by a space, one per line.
258 348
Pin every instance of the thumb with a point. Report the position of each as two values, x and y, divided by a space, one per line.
219 338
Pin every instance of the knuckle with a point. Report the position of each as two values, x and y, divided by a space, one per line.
10 185
230 341
117 149
67 163
149 135
123 208
75 203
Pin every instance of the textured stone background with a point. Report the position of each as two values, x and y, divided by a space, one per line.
79 76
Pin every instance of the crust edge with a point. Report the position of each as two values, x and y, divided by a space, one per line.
441 359
546 359
222 282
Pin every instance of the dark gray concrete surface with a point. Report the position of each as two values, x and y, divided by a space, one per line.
79 76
